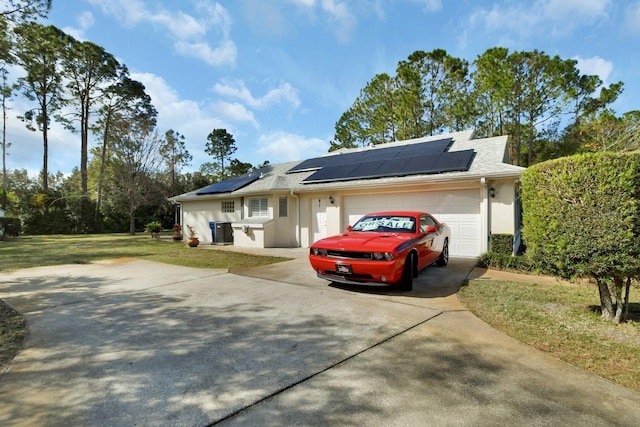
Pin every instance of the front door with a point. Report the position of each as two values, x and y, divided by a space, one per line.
319 213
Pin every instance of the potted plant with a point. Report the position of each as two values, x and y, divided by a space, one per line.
154 228
177 232
193 240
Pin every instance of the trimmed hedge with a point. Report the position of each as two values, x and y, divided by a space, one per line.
502 244
501 261
581 215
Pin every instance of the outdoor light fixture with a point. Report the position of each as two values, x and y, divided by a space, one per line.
492 192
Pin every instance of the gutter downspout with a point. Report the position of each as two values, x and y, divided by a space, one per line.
298 227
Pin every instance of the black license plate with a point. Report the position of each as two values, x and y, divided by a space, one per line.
343 268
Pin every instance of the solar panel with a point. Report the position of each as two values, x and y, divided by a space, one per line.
229 185
424 164
368 169
394 167
413 152
332 173
439 146
454 161
421 164
382 154
309 164
373 154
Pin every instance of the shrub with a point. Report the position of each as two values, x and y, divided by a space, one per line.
502 243
581 218
153 227
501 261
12 226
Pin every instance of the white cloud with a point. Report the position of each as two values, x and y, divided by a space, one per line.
280 146
225 54
549 17
191 33
305 3
595 66
339 18
234 111
343 19
128 12
181 25
632 18
237 89
184 116
430 5
85 21
215 14
566 9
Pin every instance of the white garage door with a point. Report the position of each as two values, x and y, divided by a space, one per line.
460 209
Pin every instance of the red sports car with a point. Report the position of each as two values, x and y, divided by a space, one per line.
382 248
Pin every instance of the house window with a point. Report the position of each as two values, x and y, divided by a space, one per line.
283 207
228 207
258 207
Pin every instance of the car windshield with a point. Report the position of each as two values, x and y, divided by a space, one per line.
394 224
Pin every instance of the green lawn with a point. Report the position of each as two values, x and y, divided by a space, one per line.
34 251
563 320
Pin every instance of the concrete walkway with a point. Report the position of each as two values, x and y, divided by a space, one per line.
130 342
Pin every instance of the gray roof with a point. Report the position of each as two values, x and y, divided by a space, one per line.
490 161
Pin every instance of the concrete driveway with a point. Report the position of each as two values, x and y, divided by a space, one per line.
129 342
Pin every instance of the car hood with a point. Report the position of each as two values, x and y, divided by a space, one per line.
364 241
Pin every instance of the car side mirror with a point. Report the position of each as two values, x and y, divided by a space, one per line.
430 229
348 228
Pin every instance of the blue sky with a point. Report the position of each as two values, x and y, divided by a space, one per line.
277 74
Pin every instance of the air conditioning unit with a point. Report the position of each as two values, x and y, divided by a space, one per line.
224 233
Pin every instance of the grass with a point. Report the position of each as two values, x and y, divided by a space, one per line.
563 320
34 251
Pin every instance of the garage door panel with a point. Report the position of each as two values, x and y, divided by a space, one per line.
459 209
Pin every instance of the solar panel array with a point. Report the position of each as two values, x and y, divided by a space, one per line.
387 153
421 158
229 185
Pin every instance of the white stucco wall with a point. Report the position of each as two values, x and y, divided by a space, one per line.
268 232
248 235
502 208
199 213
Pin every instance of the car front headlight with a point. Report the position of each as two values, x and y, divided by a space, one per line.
318 252
379 256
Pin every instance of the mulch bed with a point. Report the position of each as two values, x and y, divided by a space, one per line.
12 332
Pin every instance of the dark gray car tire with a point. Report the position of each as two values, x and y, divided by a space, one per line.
443 259
406 283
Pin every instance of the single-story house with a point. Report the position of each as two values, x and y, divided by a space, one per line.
468 183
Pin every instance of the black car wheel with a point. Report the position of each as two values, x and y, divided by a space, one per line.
443 259
406 283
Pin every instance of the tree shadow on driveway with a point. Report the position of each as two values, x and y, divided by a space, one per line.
149 344
146 343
